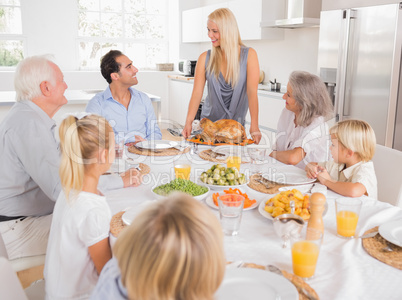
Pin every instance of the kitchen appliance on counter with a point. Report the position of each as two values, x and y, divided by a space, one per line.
187 67
275 86
359 59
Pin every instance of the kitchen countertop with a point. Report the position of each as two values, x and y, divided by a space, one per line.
263 89
73 96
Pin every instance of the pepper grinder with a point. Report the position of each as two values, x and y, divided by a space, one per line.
317 202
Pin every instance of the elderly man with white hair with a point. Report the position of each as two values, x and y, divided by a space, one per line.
30 158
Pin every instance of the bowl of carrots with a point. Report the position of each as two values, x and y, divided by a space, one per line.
231 194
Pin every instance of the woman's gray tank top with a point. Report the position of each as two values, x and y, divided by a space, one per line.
222 101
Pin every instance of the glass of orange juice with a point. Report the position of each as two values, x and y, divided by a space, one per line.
234 161
305 250
182 168
347 216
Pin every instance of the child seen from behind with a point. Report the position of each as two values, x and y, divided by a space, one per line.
351 173
78 246
172 250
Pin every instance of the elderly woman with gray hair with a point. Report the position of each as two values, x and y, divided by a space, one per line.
302 135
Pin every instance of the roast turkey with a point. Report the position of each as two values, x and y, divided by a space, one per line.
222 131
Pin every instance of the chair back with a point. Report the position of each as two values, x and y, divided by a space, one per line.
388 169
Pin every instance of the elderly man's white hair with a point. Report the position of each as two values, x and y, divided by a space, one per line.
30 73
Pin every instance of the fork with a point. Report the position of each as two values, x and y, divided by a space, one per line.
263 183
310 189
387 248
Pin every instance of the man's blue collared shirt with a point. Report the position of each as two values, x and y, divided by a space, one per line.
138 119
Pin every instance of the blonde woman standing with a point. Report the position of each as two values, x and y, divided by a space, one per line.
78 246
232 71
173 250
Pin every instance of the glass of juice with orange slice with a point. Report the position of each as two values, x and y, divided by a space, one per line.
305 251
182 168
347 216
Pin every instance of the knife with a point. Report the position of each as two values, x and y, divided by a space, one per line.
369 235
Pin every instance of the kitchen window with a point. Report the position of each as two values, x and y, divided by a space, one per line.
11 39
136 27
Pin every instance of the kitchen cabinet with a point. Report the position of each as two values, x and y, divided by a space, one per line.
270 106
248 14
179 98
191 25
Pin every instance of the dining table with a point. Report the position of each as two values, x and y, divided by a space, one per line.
344 269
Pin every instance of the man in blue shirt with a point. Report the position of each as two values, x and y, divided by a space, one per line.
128 111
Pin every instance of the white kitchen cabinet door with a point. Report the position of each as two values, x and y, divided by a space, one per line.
179 98
248 16
191 29
269 110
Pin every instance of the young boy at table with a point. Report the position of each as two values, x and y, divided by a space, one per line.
172 250
351 173
78 246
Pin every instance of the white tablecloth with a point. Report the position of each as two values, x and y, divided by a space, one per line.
344 270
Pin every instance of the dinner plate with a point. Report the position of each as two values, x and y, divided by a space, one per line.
392 232
157 144
211 203
288 175
267 215
130 213
247 283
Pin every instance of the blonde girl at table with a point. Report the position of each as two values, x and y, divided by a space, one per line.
78 246
302 134
232 72
351 173
172 250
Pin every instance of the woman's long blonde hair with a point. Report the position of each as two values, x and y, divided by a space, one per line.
230 41
80 141
173 250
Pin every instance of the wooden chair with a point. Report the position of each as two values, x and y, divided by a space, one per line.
388 169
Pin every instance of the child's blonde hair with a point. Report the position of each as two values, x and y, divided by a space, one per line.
356 135
230 41
80 141
172 250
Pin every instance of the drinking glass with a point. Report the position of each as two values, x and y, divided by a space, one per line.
234 161
257 156
305 251
182 168
347 216
287 224
119 148
230 212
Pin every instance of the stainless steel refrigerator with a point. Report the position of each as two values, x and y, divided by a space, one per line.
359 59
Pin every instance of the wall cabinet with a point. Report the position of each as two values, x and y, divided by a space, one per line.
248 14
